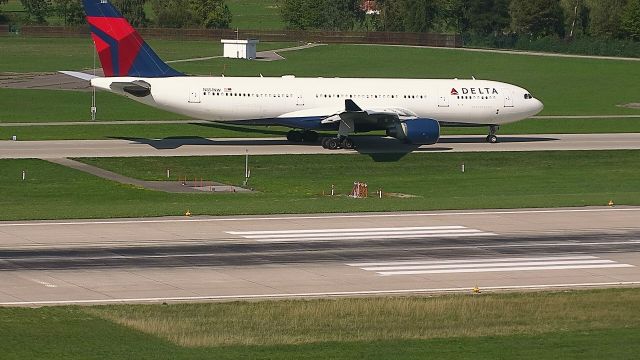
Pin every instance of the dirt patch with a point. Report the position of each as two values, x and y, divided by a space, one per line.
400 195
630 106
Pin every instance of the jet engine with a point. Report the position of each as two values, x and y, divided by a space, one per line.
416 131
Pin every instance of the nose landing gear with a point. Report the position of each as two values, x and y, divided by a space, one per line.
492 138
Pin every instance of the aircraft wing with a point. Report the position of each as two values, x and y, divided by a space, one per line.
353 112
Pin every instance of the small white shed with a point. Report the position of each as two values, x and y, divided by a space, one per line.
240 49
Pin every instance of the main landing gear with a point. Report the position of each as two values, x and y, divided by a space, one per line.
492 138
334 143
302 136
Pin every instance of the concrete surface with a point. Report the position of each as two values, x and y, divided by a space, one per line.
273 146
224 258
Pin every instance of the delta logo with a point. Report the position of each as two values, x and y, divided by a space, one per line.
475 91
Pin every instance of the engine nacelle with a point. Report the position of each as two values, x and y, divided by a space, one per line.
416 131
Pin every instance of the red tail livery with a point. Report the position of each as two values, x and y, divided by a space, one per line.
121 50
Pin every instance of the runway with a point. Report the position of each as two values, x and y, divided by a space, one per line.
276 146
229 258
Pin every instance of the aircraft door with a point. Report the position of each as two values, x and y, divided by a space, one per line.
300 101
194 96
443 101
508 98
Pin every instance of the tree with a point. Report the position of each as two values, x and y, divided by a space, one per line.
419 15
409 15
3 19
392 14
321 14
606 17
37 10
173 13
300 14
190 13
342 14
133 10
631 20
449 16
537 18
69 10
484 17
577 16
211 13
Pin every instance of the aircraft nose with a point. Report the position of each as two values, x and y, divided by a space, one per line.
538 106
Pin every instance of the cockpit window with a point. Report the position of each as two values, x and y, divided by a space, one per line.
528 96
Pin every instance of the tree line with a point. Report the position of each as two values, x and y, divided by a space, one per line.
616 19
168 13
534 19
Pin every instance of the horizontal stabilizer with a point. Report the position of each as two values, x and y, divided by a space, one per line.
79 75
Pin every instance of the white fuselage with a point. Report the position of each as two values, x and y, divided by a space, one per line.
464 102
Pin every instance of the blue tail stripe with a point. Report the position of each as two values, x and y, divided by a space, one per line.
148 64
100 8
113 47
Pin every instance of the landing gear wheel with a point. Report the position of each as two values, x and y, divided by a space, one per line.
332 144
347 143
492 138
310 136
324 142
294 136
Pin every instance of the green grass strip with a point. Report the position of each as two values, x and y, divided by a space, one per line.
296 183
569 325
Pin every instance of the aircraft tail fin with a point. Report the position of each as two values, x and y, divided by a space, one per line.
121 50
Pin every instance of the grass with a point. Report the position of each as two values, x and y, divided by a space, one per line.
27 54
388 318
295 184
55 105
570 325
12 5
255 14
213 130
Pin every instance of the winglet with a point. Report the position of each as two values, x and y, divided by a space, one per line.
79 75
351 106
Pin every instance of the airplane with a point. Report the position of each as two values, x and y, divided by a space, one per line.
410 110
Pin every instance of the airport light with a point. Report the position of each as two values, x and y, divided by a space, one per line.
247 171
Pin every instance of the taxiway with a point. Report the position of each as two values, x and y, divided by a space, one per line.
276 146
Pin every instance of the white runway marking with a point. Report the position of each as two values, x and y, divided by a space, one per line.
44 283
279 236
489 265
